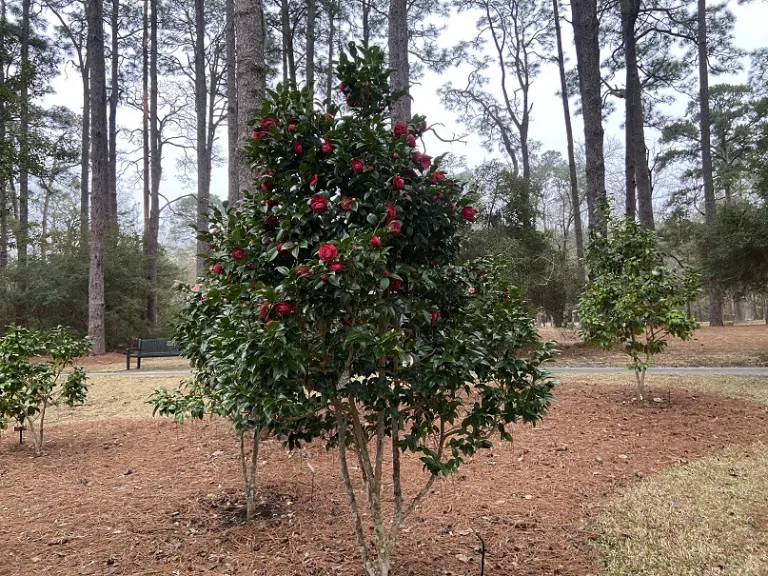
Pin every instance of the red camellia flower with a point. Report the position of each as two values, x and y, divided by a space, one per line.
436 197
423 126
272 222
327 252
264 309
375 241
411 140
471 291
313 180
217 268
283 308
291 128
394 227
257 135
266 186
270 203
346 203
391 211
210 245
398 183
237 254
468 213
437 177
318 203
357 165
326 147
400 129
297 149
328 116
324 277
280 249
395 284
479 273
267 124
341 86
385 273
396 156
303 271
336 267
434 316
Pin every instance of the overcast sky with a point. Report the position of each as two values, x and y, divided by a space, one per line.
547 118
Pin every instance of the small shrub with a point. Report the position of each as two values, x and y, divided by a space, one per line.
633 299
28 388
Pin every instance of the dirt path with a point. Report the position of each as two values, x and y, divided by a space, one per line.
146 497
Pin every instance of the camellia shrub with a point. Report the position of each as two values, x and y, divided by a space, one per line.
334 308
28 388
633 299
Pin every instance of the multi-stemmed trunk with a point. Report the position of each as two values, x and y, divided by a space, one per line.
574 180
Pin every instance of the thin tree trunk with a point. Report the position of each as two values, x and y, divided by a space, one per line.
100 175
713 287
311 17
44 222
398 58
586 39
113 99
145 120
201 116
331 44
251 77
233 193
85 159
366 22
155 169
3 189
23 227
285 19
574 179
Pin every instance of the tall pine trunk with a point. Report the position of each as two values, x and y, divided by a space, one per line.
155 168
398 57
285 21
85 159
250 37
638 180
233 193
331 44
710 214
200 114
3 184
100 174
113 99
311 17
572 173
587 41
145 121
22 240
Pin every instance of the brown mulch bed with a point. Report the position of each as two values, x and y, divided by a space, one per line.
147 497
740 345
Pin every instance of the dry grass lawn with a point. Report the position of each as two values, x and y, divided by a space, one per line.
707 518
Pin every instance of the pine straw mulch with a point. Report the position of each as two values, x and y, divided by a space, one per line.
146 497
740 345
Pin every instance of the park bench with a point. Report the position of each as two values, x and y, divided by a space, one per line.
150 348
